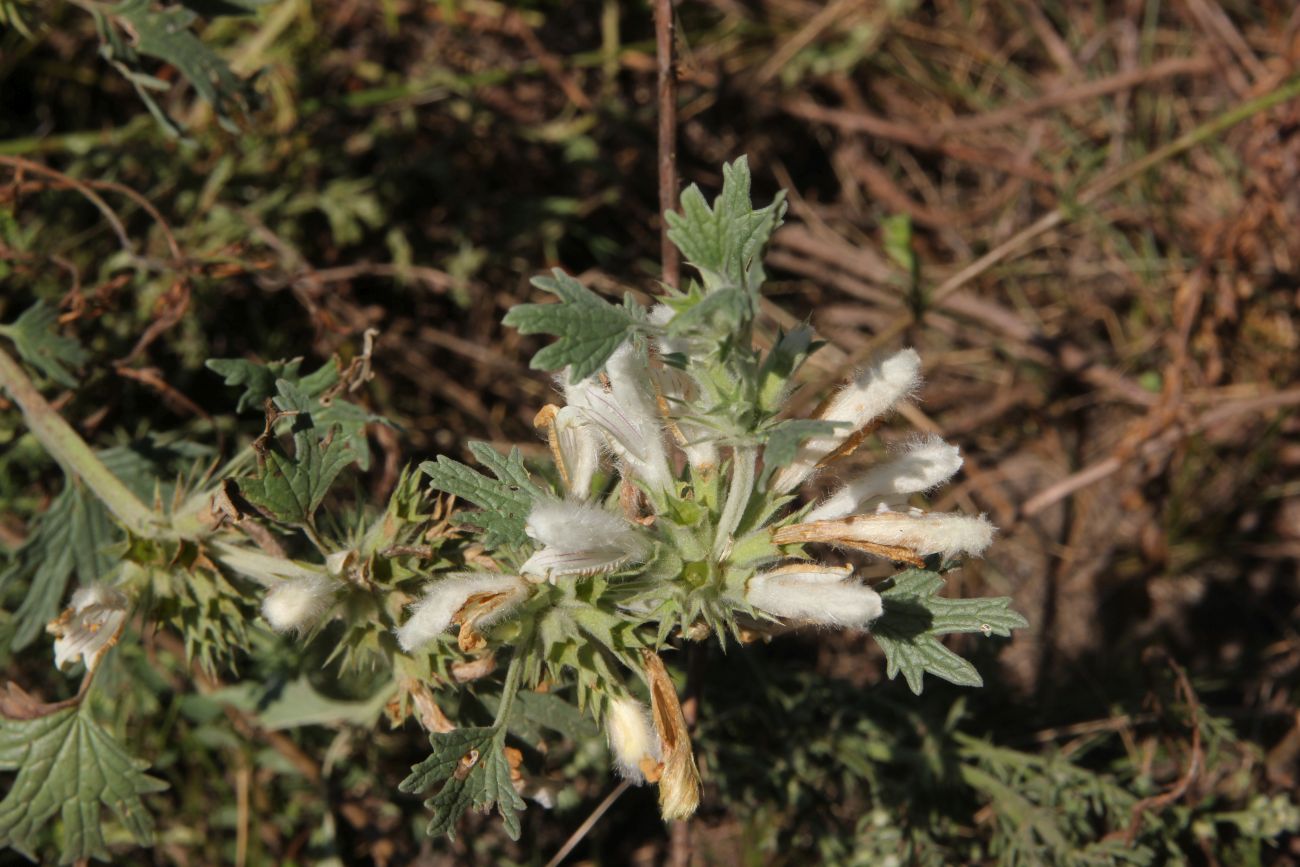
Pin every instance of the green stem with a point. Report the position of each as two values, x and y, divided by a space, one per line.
743 459
511 686
70 450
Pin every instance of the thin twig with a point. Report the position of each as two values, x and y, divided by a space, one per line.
667 135
585 828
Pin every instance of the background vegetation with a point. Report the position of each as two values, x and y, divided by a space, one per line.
1083 215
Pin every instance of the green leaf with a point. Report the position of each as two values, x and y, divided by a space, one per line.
258 380
68 765
70 538
722 312
780 364
41 346
914 617
784 439
290 489
347 419
166 34
548 710
297 703
589 328
472 767
506 500
725 242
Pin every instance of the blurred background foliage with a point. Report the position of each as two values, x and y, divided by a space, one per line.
1084 216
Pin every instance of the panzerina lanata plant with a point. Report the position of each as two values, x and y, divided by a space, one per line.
669 512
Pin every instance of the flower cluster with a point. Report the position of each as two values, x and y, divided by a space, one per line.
671 507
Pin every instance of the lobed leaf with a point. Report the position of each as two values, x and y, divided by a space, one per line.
915 616
290 489
505 501
41 346
472 767
68 765
589 328
725 241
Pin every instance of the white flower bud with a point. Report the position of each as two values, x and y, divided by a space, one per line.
871 394
445 598
580 539
632 738
897 534
820 594
926 464
298 603
88 626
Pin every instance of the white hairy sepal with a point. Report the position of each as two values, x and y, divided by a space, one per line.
923 534
626 415
88 626
444 598
579 449
870 395
820 594
923 465
580 539
632 738
298 603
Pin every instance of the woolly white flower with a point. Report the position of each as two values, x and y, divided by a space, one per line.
580 539
575 447
871 394
821 594
492 595
298 603
925 464
679 391
900 536
632 738
627 415
88 626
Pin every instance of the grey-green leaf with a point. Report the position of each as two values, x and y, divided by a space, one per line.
472 767
167 35
725 241
589 328
68 765
505 501
41 346
70 539
915 616
258 380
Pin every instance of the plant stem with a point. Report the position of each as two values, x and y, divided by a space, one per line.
70 450
743 459
511 686
667 135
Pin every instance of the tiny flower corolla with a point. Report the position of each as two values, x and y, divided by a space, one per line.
868 397
580 539
632 739
297 603
815 593
493 596
89 625
923 465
